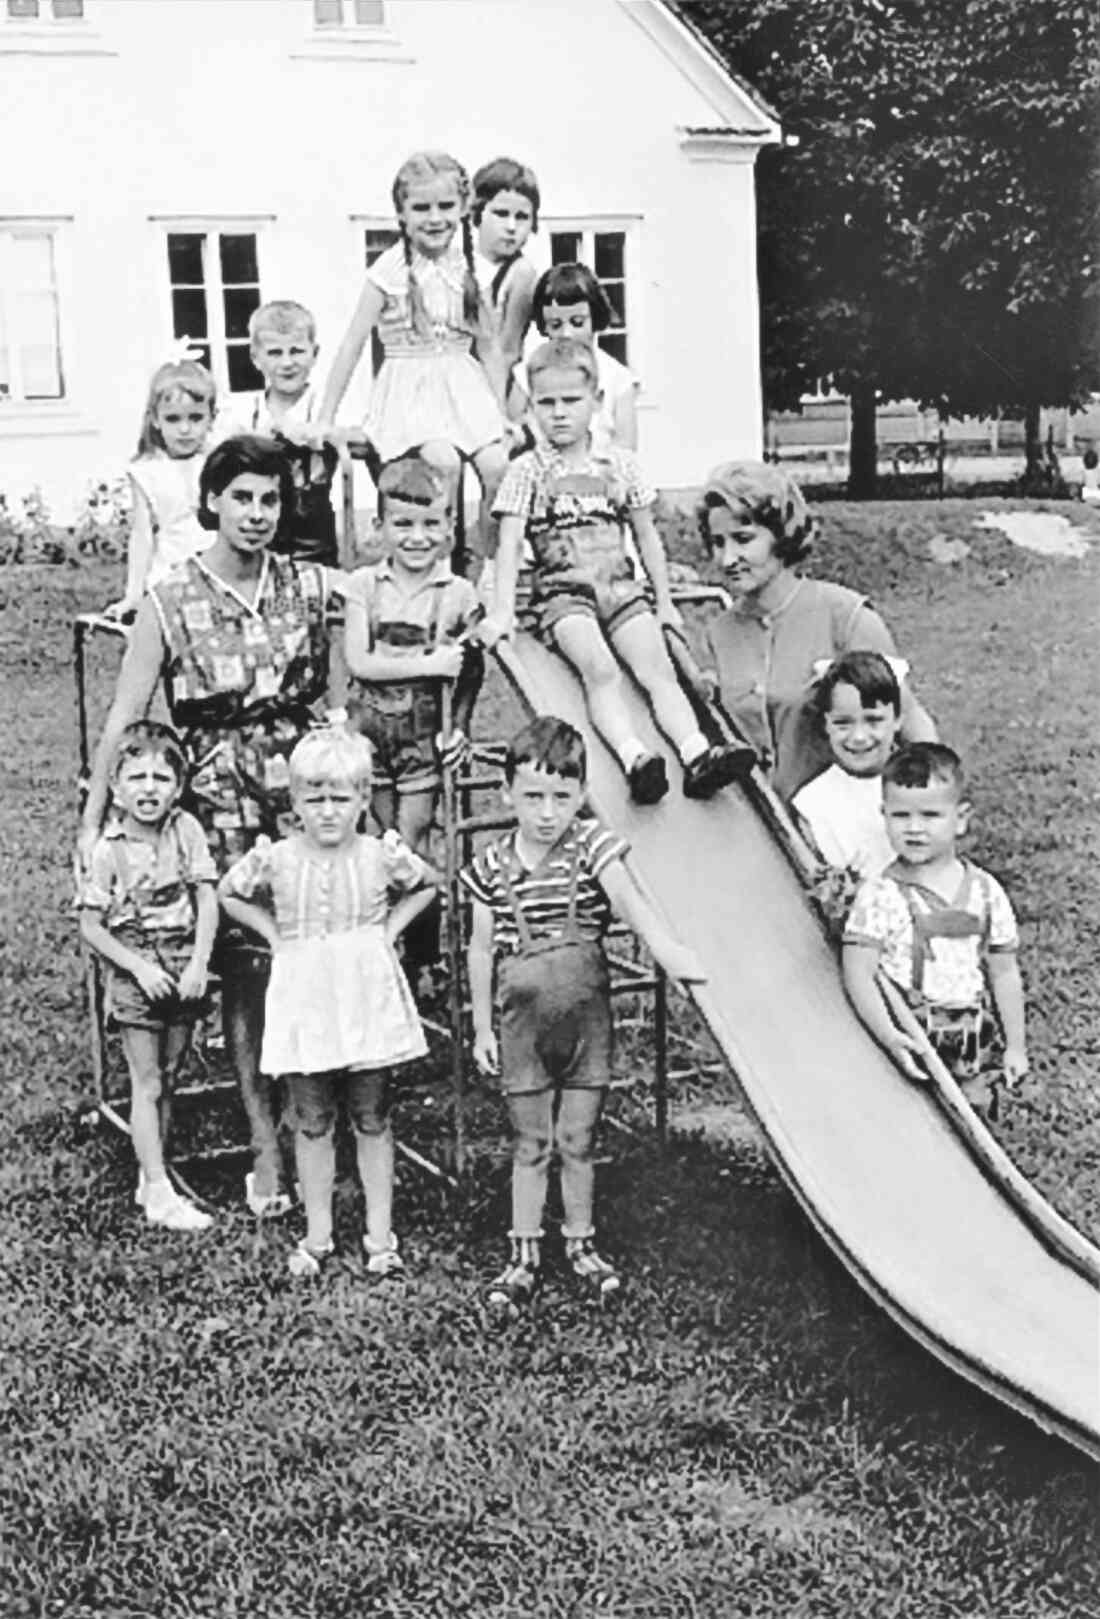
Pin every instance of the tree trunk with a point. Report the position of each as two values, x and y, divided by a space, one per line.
862 445
1033 446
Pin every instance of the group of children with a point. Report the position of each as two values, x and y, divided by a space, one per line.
552 442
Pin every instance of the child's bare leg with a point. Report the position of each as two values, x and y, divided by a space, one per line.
491 464
581 641
243 1024
374 1156
578 1116
533 1127
641 645
142 1048
415 813
175 1042
383 805
315 1158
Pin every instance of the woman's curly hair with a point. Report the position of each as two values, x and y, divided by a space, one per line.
761 494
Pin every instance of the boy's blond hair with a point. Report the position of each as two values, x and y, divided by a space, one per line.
282 316
564 354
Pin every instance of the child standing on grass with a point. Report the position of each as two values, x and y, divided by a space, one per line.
939 928
148 908
423 297
164 478
339 1013
858 702
283 346
542 901
408 618
573 503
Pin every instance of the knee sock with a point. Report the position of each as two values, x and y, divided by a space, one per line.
693 747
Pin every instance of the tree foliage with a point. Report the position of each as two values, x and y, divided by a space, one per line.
935 233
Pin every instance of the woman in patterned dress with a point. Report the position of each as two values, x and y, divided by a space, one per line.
238 641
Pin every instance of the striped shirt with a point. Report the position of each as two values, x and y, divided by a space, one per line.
543 893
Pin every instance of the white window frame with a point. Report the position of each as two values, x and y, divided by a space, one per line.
349 40
16 404
209 227
588 227
47 35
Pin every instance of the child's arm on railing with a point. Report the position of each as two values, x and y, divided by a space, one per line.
347 357
860 963
139 554
502 613
652 552
631 906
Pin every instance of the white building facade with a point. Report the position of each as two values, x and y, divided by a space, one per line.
168 164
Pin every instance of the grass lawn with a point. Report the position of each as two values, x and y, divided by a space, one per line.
188 1434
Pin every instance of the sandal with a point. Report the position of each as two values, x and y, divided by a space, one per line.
520 1279
384 1261
303 1261
265 1206
590 1267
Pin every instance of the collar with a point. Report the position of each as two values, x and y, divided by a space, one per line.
766 612
901 875
548 457
440 573
114 828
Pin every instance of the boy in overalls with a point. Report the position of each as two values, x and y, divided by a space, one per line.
542 900
942 930
409 622
571 503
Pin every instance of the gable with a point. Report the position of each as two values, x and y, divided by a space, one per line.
738 109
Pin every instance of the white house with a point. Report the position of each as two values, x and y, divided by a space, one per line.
170 163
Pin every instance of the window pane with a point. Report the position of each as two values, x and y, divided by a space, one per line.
565 247
68 8
35 321
31 262
185 260
609 255
243 376
201 353
616 297
239 304
238 256
376 241
22 8
614 343
189 312
370 13
328 13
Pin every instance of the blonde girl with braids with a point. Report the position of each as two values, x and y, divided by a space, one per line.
422 295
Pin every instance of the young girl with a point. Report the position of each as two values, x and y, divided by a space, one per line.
858 702
506 213
339 1012
147 908
568 301
422 294
164 476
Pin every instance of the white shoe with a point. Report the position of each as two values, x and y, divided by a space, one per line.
384 1261
175 1213
140 1189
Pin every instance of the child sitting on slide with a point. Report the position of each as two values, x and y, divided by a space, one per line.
940 929
573 503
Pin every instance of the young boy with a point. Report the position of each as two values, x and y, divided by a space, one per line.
148 908
409 619
571 503
542 901
283 346
939 928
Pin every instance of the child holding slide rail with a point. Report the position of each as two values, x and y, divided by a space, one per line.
939 928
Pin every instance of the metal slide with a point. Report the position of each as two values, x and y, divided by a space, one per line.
906 1187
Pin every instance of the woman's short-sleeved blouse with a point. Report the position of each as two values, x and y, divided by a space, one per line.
765 662
228 661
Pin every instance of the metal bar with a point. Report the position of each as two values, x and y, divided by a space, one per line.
454 948
660 1057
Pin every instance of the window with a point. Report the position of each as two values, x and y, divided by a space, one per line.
376 239
605 253
43 10
30 345
339 13
214 280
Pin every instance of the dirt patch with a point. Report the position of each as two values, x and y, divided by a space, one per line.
1047 533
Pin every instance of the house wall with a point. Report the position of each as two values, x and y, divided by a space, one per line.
236 109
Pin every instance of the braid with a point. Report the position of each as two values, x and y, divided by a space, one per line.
418 314
471 292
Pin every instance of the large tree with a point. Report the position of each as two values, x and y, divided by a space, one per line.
935 231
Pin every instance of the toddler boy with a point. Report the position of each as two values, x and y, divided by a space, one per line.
941 929
148 908
572 504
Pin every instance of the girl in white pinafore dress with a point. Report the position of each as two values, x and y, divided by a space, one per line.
432 393
164 479
339 1012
